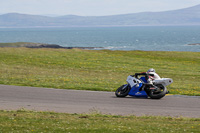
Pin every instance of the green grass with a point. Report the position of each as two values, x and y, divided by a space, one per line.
30 121
96 70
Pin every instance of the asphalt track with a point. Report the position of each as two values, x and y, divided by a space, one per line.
74 101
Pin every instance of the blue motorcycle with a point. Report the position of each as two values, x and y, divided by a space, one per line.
139 87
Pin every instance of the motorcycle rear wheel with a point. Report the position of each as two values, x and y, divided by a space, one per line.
122 91
158 93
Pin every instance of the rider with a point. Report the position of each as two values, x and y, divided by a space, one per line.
150 75
153 74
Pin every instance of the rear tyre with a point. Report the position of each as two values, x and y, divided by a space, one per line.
157 93
122 91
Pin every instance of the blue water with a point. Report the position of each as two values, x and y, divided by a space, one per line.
169 38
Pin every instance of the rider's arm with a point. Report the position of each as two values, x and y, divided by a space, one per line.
147 75
151 75
143 73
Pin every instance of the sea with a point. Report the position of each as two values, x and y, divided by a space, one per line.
149 38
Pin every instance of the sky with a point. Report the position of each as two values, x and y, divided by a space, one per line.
91 7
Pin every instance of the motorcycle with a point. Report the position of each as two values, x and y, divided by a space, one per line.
139 87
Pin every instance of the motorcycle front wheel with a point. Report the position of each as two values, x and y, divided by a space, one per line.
157 93
122 91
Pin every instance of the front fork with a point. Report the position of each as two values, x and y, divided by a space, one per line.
126 85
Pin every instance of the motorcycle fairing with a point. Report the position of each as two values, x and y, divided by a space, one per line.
135 91
143 79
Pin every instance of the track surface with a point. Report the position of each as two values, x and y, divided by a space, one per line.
74 101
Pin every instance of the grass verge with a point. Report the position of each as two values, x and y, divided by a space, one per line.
101 70
30 121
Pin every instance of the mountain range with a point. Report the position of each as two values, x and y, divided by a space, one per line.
186 16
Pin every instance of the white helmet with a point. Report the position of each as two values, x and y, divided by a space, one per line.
151 70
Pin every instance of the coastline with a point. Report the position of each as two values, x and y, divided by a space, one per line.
56 46
41 45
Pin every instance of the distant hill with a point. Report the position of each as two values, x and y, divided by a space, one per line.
186 16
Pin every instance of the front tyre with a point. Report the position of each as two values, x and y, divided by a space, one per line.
157 93
122 91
